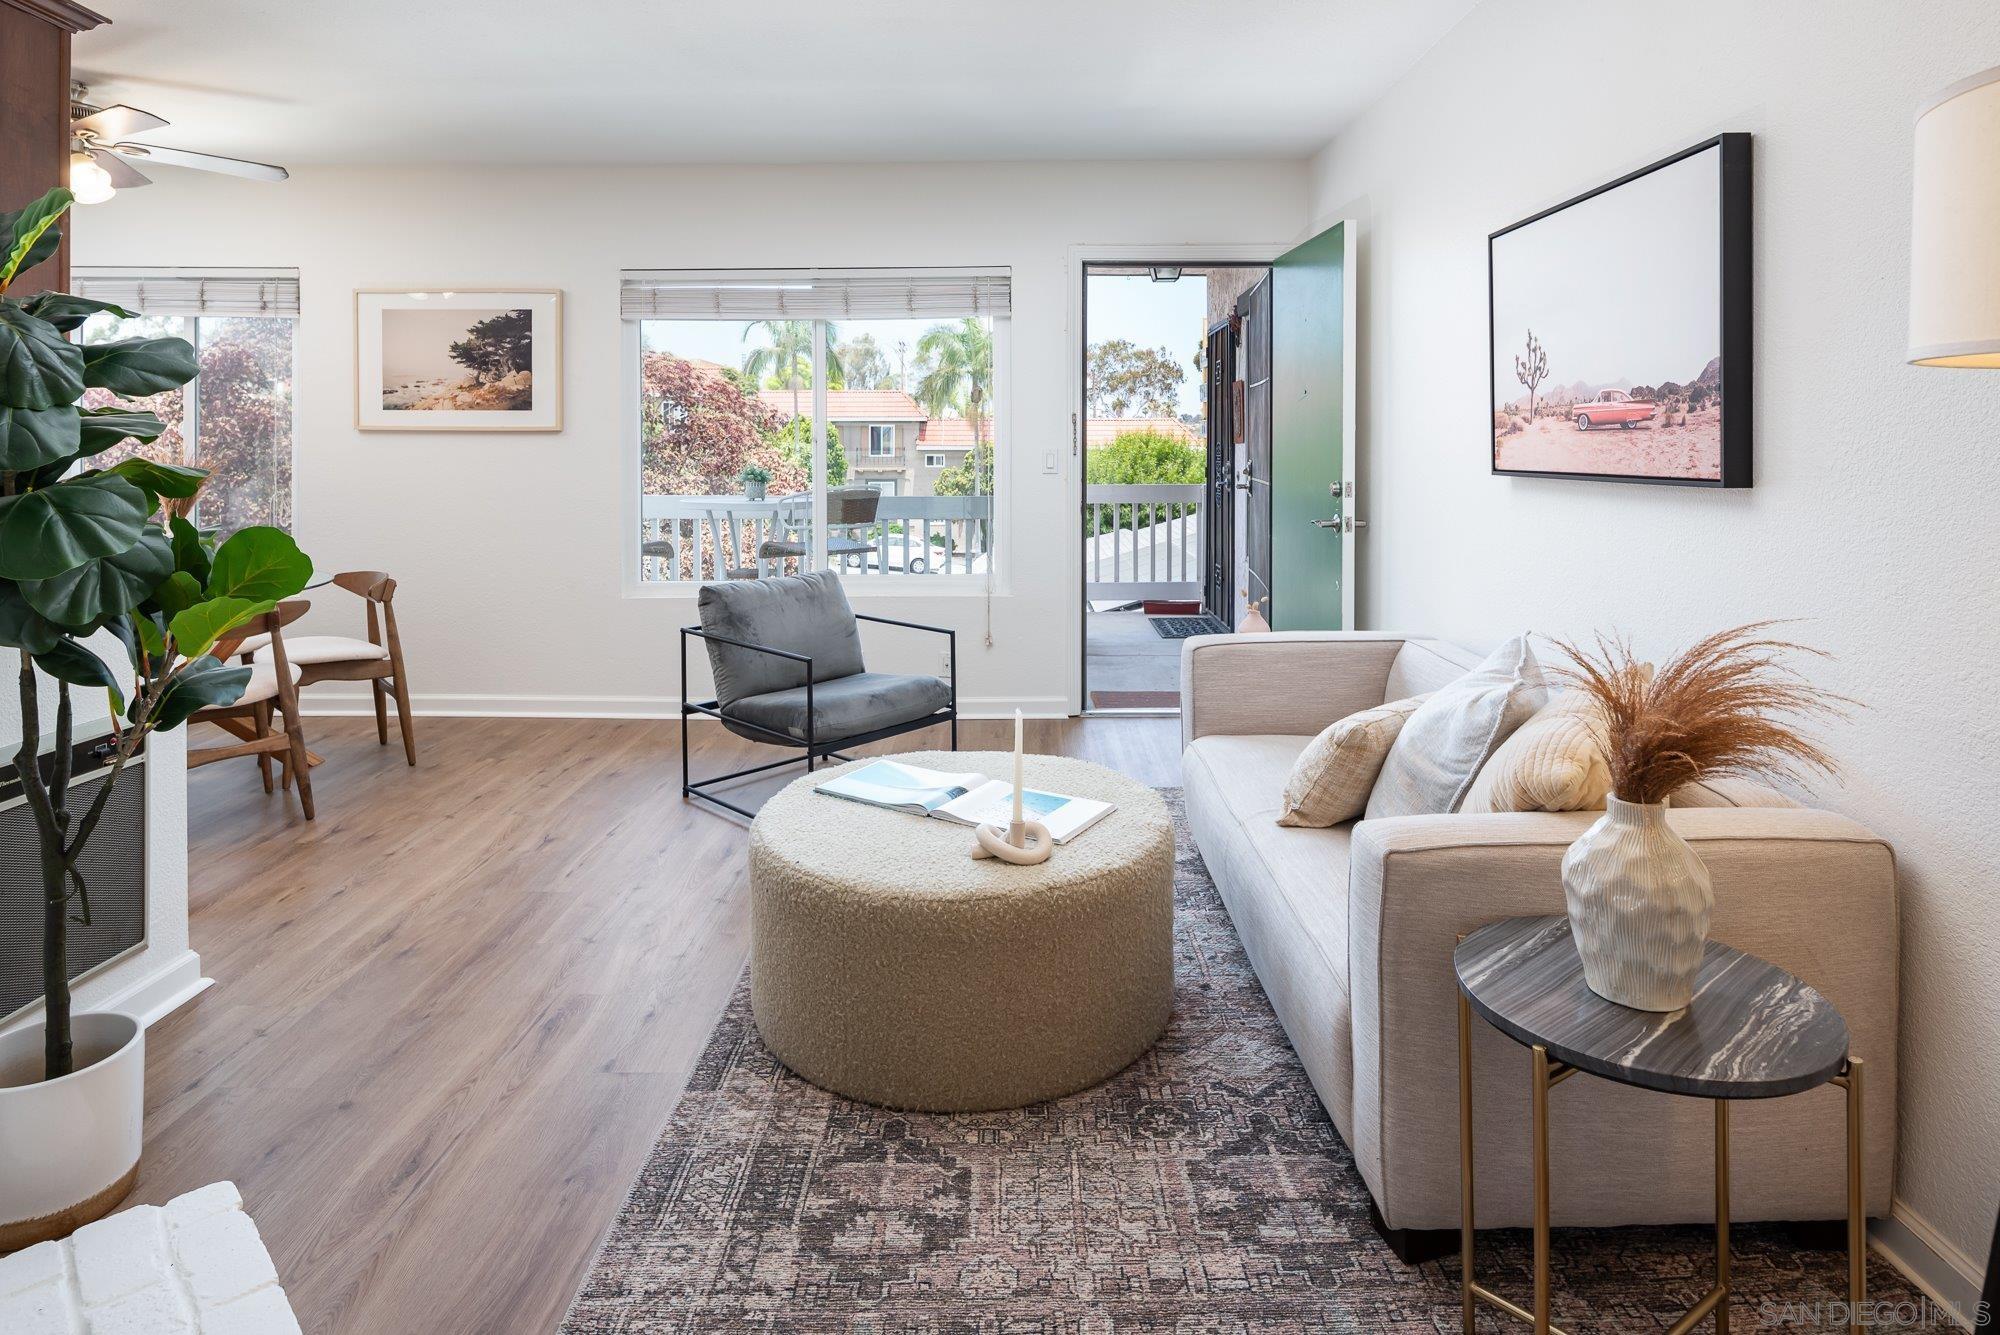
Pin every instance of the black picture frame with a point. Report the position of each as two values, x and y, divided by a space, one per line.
1733 247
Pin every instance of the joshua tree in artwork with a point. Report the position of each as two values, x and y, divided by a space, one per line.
1531 369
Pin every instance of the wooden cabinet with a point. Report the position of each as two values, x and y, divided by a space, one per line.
34 106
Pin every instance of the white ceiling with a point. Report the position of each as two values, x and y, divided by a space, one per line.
363 81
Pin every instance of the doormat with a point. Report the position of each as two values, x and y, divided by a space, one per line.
1180 628
1135 699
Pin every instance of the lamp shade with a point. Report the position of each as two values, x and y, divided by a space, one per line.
1955 227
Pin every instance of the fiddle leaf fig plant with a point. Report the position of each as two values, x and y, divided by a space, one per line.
84 550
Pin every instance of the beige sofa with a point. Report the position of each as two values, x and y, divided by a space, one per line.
1351 931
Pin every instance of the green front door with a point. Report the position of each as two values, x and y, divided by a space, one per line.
1310 384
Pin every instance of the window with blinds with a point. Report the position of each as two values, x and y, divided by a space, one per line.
235 420
794 419
814 294
245 292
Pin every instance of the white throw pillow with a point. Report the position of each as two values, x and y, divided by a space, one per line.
1333 776
1443 745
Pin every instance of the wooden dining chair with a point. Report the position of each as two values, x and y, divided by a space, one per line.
272 692
377 660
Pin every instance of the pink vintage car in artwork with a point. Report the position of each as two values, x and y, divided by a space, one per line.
1613 407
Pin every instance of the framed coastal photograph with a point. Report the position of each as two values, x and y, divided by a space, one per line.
1620 328
458 359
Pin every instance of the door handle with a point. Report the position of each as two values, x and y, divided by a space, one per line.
1325 523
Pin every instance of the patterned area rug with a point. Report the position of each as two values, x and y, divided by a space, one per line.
1202 1189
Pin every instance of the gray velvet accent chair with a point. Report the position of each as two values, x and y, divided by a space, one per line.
785 655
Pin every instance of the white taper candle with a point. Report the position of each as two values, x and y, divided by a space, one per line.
1017 767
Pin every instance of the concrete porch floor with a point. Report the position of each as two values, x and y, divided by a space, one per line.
1123 653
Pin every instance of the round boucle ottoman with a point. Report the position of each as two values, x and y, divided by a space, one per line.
889 966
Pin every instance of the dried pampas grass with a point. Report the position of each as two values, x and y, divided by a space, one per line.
1728 705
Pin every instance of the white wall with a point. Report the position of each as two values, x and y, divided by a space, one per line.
508 548
1874 511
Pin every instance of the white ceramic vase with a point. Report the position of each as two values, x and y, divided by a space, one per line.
69 1148
1639 899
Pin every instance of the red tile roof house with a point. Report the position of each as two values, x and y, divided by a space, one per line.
890 440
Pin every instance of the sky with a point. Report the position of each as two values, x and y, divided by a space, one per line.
1624 286
1152 315
418 343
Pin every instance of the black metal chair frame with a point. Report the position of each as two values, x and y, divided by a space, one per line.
815 750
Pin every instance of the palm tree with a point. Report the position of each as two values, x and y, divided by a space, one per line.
787 356
958 377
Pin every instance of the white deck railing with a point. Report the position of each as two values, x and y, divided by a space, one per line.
1150 546
1142 541
712 535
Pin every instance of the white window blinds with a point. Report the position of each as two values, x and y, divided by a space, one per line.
191 291
813 294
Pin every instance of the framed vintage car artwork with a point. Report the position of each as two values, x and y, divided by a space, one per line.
458 359
1619 328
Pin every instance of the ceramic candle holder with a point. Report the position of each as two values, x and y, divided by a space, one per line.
1023 843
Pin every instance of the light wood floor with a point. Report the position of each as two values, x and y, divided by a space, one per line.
451 1016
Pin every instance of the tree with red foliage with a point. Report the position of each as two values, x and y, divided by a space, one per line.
244 431
698 429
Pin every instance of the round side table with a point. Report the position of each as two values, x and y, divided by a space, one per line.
1753 1031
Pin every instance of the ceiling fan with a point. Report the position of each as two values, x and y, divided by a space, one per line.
100 140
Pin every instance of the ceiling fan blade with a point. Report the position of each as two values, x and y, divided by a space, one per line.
117 122
207 162
124 176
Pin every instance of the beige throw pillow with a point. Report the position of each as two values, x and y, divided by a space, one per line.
1452 734
1333 776
1553 762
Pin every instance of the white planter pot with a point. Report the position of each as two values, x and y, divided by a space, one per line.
1639 900
69 1148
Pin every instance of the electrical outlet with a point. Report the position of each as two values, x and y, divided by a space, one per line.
945 666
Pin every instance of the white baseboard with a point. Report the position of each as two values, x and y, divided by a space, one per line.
1945 1275
337 704
147 998
171 986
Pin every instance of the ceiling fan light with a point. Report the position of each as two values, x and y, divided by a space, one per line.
90 183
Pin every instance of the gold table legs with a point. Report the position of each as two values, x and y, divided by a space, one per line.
1722 1215
1547 1074
1857 1207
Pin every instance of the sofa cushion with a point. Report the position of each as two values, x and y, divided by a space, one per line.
1330 781
842 707
1728 792
1307 863
1441 748
802 614
1286 891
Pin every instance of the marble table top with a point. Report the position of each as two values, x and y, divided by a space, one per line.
1752 1030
